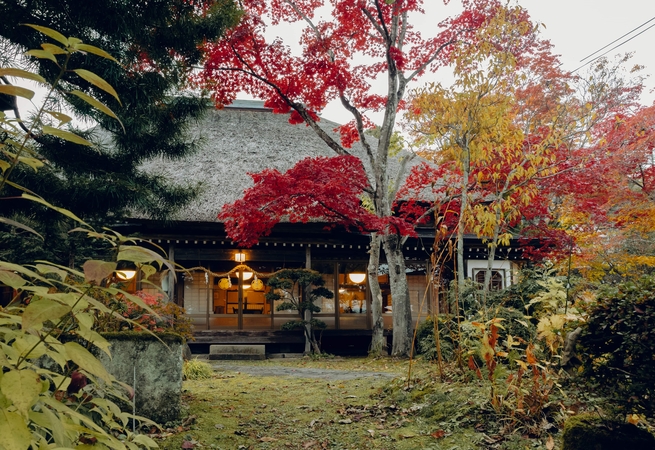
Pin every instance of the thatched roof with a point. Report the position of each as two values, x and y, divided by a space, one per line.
242 138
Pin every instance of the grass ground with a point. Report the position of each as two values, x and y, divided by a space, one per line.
257 410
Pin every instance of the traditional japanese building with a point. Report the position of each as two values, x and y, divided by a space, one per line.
223 291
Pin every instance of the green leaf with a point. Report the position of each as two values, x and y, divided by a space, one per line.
56 428
14 434
20 73
11 279
148 270
137 255
16 91
39 311
95 271
11 353
32 162
61 117
46 269
73 272
63 211
29 346
96 51
24 270
74 42
42 54
86 361
85 320
96 339
56 35
58 356
97 81
65 135
144 440
54 49
66 298
97 104
63 409
22 388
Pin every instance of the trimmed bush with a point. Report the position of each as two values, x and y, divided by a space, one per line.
619 341
590 432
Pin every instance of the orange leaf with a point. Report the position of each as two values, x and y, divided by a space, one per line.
438 434
530 355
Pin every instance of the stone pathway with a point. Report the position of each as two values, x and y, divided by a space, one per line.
281 371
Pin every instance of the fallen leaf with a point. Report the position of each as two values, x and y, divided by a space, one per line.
309 444
371 432
187 444
438 434
345 421
267 439
550 443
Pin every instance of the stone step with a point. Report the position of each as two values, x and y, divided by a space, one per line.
251 351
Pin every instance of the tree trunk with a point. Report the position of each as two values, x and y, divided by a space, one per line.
310 341
402 313
461 274
378 342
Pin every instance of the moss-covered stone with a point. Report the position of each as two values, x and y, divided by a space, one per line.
153 369
590 432
167 338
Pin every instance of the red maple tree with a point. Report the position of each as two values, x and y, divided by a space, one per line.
339 59
327 189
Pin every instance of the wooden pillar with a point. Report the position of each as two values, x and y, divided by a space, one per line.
308 314
240 315
170 291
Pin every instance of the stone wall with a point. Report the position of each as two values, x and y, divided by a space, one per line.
152 368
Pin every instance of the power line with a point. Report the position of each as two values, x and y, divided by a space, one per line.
618 39
613 48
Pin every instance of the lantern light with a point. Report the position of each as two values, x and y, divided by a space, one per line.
125 274
240 257
257 284
357 277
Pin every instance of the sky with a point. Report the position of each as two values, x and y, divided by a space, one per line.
576 28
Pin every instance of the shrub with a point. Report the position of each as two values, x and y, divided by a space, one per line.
426 345
619 342
195 369
168 317
588 431
515 324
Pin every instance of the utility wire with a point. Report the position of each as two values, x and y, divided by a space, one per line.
612 49
618 39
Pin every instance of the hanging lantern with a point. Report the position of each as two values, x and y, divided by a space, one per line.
357 277
224 283
257 284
